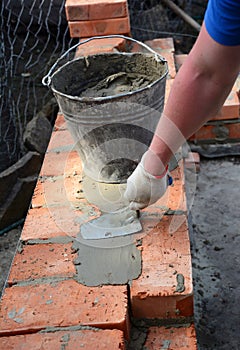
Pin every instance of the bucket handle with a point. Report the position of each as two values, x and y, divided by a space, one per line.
46 80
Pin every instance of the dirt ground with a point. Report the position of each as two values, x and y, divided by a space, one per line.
215 238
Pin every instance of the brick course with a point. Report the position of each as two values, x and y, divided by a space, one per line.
85 10
174 338
86 29
55 260
43 294
31 308
96 46
86 338
166 263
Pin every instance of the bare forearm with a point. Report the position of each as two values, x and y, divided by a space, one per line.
198 92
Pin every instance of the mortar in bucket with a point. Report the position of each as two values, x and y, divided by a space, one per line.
111 103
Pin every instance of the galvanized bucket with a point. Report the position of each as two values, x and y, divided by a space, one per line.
111 131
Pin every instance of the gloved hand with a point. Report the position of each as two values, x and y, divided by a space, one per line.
144 189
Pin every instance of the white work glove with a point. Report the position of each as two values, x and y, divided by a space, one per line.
144 189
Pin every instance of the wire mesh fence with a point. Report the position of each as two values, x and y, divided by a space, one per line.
33 35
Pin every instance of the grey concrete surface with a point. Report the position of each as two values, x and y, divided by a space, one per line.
215 239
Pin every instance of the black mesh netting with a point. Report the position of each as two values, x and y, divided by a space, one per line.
34 33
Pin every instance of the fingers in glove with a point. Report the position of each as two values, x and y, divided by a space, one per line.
137 205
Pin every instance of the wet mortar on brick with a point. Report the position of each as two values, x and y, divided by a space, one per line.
107 261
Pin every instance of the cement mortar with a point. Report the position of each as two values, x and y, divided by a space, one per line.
108 74
115 84
107 262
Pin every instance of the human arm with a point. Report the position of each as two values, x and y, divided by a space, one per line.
197 94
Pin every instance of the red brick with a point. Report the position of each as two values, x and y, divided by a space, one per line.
168 87
230 109
86 339
28 309
50 192
42 260
82 10
165 255
218 131
174 338
79 29
60 123
60 191
179 59
57 191
61 141
158 44
192 161
68 190
177 192
61 164
100 45
47 223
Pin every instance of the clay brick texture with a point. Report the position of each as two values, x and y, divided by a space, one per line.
82 10
218 131
87 339
31 308
164 289
180 338
55 260
85 29
97 17
100 45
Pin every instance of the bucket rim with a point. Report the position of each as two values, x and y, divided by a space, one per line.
109 97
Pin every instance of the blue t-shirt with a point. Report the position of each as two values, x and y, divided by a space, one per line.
222 20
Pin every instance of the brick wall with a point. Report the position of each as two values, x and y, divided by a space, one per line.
45 305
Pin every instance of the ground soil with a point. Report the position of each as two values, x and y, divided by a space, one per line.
215 242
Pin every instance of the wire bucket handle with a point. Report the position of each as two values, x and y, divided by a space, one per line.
46 80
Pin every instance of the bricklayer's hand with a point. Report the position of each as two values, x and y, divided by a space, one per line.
144 189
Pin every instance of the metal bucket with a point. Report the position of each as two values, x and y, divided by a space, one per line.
111 131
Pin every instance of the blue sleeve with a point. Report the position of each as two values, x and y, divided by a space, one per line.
222 21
